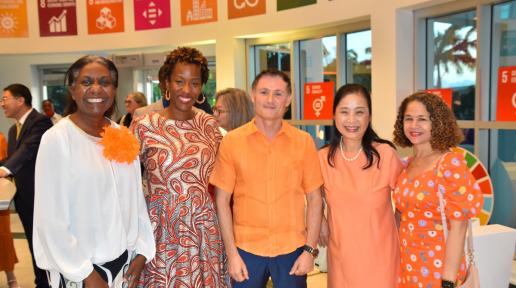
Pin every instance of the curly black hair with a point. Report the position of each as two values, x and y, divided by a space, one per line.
186 55
445 130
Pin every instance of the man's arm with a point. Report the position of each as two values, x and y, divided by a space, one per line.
29 148
237 268
305 262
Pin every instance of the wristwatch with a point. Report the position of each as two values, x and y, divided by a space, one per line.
447 284
313 251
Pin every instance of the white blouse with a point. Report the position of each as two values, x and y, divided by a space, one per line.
87 209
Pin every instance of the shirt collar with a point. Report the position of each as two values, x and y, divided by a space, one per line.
24 117
252 129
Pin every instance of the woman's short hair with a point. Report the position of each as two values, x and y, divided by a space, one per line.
186 55
73 72
239 105
139 98
445 131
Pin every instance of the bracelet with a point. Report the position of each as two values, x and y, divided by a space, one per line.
447 284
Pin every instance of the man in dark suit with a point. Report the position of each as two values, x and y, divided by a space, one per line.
22 148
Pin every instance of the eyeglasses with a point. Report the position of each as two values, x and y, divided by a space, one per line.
218 111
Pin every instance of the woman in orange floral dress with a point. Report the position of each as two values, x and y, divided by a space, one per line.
425 123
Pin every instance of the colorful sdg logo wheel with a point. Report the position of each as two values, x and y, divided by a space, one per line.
483 179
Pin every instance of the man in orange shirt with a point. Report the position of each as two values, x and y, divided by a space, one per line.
270 168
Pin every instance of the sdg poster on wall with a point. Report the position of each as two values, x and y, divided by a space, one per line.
445 93
57 18
105 16
198 11
13 19
151 14
289 4
245 8
506 98
318 101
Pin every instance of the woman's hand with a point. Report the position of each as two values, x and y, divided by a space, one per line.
95 281
324 235
132 276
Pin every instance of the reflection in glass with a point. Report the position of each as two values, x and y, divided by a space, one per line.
502 164
469 140
503 45
358 58
320 133
451 59
54 87
318 62
273 56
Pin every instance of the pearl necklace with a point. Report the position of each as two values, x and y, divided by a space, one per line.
344 156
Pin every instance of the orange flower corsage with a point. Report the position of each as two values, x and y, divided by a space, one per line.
119 144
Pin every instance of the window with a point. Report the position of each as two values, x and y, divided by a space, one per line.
451 59
53 87
342 55
458 38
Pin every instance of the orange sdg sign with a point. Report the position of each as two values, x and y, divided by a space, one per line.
318 101
506 100
13 19
446 94
244 8
105 16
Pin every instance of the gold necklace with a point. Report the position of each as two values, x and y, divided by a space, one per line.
344 156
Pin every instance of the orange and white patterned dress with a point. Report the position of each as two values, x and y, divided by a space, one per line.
422 242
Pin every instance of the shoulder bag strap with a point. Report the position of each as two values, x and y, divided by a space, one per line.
469 233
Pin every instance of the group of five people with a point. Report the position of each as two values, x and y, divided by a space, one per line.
94 226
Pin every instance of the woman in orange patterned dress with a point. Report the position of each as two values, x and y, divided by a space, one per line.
426 124
7 253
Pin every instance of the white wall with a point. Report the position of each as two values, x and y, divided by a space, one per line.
392 43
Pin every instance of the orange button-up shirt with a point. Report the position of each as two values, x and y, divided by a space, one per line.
269 180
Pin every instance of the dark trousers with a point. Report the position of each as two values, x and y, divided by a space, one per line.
26 213
261 268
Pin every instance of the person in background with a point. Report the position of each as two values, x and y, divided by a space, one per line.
425 123
133 101
268 167
233 108
23 143
178 148
48 109
7 253
91 227
359 170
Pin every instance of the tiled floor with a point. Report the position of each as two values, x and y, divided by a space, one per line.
23 268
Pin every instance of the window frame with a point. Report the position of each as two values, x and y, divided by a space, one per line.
294 39
484 81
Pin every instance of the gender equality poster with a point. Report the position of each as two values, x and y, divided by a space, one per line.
57 17
318 101
506 98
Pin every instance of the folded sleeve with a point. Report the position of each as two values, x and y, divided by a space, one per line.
56 248
312 176
223 175
462 195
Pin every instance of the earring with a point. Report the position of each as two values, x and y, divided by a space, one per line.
167 95
201 101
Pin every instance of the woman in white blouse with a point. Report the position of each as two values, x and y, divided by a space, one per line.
91 227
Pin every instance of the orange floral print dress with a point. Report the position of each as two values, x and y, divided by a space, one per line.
422 244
